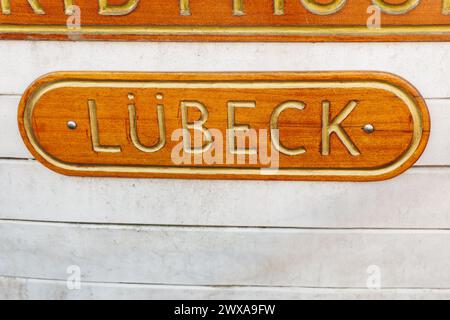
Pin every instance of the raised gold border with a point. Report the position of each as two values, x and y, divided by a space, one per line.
276 84
228 30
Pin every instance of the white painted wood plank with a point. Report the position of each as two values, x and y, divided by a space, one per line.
426 65
11 144
436 154
226 256
31 289
417 199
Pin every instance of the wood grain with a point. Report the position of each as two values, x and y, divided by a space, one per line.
401 130
211 20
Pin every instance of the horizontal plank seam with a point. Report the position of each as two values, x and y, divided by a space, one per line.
224 286
10 95
224 227
18 159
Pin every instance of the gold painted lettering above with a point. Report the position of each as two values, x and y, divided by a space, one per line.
233 20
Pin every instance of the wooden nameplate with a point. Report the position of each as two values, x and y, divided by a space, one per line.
341 126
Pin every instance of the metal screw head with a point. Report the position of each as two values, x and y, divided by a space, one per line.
369 128
72 125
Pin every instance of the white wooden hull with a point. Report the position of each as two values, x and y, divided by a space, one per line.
224 239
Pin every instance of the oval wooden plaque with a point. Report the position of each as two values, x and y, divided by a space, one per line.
227 20
352 126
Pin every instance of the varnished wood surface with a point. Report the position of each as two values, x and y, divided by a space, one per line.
211 20
73 149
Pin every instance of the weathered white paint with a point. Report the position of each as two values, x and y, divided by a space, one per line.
437 152
21 288
416 199
226 256
425 65
11 144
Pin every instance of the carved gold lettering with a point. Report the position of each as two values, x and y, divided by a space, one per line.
6 6
185 8
323 9
234 128
196 126
35 5
446 6
275 133
399 8
238 7
278 7
68 7
161 127
335 127
106 9
94 131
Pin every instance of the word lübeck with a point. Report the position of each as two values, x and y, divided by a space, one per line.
238 7
234 130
